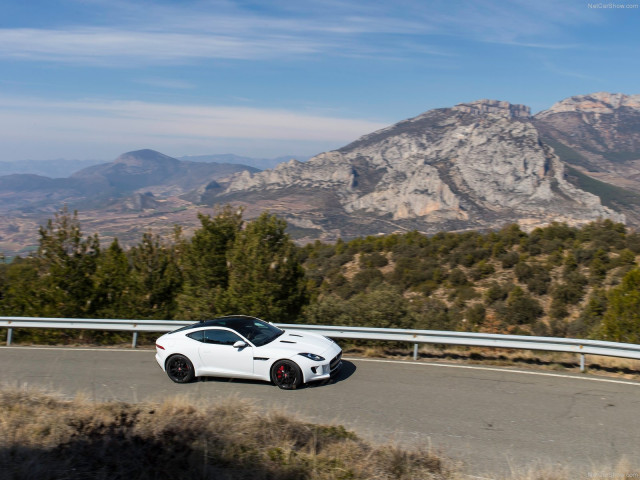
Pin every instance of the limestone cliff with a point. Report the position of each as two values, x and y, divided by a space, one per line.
475 165
598 136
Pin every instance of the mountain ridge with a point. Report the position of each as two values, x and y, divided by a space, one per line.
476 165
468 166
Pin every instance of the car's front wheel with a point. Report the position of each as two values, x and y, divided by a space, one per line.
286 375
180 369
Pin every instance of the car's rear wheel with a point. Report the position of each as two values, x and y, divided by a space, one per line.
286 375
180 369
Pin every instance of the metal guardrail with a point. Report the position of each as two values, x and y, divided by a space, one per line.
553 344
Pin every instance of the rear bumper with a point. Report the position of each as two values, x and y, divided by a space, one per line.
160 361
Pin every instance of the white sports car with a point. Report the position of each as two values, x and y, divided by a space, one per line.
247 347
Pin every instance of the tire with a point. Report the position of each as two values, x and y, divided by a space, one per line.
180 369
286 375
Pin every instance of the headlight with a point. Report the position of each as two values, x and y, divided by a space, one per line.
312 356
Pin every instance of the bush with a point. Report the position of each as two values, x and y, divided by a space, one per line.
483 269
497 292
539 280
571 291
521 308
523 271
475 315
367 278
509 259
374 260
457 277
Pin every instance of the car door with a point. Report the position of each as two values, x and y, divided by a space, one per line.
219 356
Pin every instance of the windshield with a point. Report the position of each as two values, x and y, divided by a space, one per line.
255 330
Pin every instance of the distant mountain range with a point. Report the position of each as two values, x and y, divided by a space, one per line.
108 184
62 168
259 163
477 165
59 168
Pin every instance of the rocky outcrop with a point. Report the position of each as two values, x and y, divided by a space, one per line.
496 107
594 103
603 127
476 165
598 134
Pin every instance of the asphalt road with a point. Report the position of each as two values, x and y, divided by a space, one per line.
493 420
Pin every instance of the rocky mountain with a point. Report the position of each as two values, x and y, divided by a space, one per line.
476 165
598 137
602 129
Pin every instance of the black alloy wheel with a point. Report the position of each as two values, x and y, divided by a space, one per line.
286 375
180 369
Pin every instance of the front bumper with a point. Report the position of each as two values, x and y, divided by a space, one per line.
325 370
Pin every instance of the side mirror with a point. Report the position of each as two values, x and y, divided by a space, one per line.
239 344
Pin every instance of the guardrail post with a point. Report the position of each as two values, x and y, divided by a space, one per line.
134 342
415 351
582 362
9 335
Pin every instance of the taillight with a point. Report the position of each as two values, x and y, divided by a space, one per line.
159 346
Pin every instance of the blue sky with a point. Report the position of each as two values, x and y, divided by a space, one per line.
94 78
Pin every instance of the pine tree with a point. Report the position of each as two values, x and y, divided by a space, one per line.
265 276
113 284
21 295
156 278
205 269
67 263
621 321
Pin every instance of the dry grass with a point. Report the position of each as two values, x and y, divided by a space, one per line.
43 437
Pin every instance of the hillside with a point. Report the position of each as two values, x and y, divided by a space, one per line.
553 281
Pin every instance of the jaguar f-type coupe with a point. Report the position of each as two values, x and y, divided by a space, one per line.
247 347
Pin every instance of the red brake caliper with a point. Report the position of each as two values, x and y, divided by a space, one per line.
280 372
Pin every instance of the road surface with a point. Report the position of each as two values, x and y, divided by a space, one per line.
492 419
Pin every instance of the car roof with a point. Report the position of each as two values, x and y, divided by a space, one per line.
228 321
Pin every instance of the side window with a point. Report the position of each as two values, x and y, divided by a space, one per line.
199 335
220 337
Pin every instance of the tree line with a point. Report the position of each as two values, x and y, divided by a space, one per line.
558 280
229 265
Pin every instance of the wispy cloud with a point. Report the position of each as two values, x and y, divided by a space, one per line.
151 34
105 45
143 123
